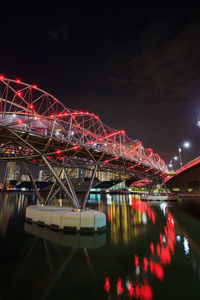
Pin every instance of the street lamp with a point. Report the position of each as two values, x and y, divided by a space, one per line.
185 145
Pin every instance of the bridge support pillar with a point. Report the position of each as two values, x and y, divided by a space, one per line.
63 187
71 187
89 187
52 188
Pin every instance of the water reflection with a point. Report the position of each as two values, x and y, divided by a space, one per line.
11 205
145 253
74 240
129 220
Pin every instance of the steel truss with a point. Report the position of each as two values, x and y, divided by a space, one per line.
37 128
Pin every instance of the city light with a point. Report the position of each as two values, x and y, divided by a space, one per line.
175 157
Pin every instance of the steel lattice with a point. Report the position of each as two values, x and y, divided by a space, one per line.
66 135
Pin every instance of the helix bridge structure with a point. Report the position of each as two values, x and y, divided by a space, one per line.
37 128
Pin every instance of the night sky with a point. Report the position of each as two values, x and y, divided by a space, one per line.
137 66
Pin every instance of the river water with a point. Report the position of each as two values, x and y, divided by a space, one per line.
149 251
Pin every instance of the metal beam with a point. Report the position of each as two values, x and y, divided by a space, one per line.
52 188
71 187
33 182
24 141
55 175
56 191
89 187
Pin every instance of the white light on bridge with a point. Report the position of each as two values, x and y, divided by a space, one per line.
175 157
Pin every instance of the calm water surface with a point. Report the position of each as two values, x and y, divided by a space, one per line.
149 251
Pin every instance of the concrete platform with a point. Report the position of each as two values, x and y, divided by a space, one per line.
66 218
76 240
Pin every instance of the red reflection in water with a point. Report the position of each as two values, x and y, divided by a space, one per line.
157 269
107 284
145 264
143 207
131 289
109 214
143 291
146 292
160 256
161 238
119 287
153 217
152 248
165 256
158 249
136 261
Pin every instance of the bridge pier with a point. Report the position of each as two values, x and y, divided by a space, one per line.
66 218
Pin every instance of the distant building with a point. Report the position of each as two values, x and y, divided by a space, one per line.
103 175
73 172
17 173
12 172
45 176
25 178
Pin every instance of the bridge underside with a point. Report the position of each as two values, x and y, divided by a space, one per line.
186 182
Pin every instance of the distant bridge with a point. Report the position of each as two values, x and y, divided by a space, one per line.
37 128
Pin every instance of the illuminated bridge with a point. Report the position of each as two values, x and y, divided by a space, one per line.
37 128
